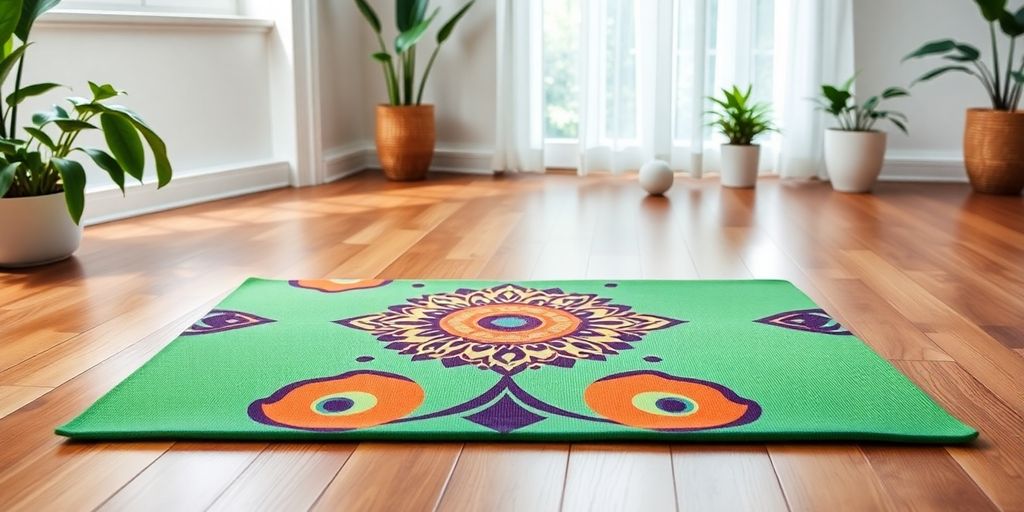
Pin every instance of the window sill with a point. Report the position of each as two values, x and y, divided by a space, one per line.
93 19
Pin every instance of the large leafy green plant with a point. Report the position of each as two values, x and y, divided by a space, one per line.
1003 85
413 22
739 119
840 103
42 160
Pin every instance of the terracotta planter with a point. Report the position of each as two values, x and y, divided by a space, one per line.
37 230
740 165
405 141
854 159
994 151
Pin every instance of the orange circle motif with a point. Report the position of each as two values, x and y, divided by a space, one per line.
657 401
510 323
353 400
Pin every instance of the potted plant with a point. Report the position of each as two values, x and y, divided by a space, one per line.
993 137
741 121
42 183
405 126
855 150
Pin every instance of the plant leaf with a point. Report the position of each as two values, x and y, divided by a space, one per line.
991 9
409 38
899 124
894 92
1011 24
7 177
1018 76
72 177
124 142
941 71
369 14
164 171
30 11
382 57
10 13
102 92
29 91
8 62
409 13
107 163
41 136
932 48
447 28
73 125
8 147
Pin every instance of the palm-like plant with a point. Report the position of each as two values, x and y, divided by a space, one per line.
413 22
1003 85
739 119
840 103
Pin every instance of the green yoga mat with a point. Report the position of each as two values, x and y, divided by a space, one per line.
523 361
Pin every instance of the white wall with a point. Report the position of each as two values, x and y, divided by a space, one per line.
203 84
211 111
886 31
344 64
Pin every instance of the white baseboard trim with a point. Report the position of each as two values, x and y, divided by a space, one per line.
354 158
107 204
345 161
923 167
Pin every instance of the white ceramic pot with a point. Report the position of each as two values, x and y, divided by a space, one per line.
36 231
739 165
854 159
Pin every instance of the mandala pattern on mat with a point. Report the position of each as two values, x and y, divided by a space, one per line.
353 400
220 320
338 285
809 320
509 328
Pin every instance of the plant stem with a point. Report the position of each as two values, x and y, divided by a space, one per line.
426 73
389 73
997 100
986 80
409 59
1009 72
17 87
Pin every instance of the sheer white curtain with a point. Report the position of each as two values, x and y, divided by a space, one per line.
520 129
605 85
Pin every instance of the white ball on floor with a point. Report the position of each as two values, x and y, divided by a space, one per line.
656 177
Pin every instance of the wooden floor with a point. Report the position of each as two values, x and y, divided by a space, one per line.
929 275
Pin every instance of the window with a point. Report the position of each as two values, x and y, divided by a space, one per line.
223 7
738 48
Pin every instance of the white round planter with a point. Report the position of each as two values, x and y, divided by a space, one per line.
739 165
854 159
36 230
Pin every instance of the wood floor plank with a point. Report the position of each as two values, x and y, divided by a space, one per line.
204 469
996 460
507 477
828 478
13 398
610 477
285 477
393 477
926 478
726 478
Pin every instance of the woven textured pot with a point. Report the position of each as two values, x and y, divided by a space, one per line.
405 141
994 151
